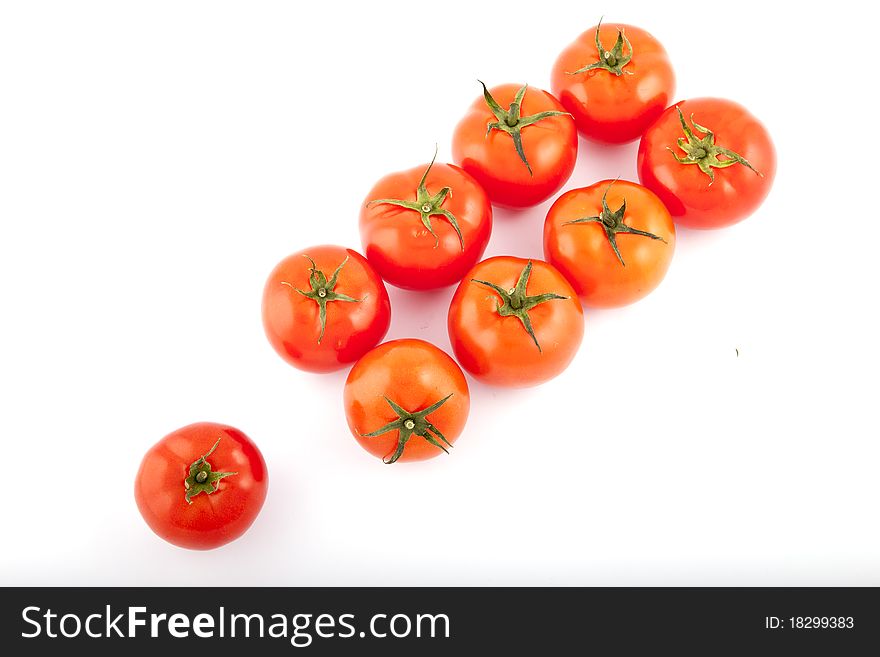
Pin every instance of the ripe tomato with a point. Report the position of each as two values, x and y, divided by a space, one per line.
425 227
615 80
515 322
709 160
518 142
324 308
201 486
613 240
406 400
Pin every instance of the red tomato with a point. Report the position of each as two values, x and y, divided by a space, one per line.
615 79
201 486
324 308
425 227
406 400
515 322
518 142
613 241
709 160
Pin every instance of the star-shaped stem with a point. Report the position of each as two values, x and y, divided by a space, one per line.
511 122
323 291
201 478
409 424
612 60
516 303
704 152
612 223
427 206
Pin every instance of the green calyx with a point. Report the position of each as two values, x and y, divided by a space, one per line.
201 478
511 122
612 223
410 424
516 303
322 291
704 152
427 206
612 60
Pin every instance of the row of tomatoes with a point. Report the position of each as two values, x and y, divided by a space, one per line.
702 163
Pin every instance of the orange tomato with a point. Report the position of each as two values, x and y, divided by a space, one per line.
324 307
611 257
406 400
515 322
617 89
518 142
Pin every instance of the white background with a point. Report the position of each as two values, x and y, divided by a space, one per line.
158 158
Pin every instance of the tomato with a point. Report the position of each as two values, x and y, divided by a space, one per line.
423 228
324 308
518 142
406 400
613 241
515 322
709 160
615 80
201 486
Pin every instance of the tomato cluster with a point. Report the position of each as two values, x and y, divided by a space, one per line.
702 163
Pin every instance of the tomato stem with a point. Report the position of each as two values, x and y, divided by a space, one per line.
322 291
427 205
703 151
511 122
612 60
517 303
201 478
409 424
612 224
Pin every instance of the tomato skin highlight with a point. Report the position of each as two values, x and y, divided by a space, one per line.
550 147
685 190
498 350
292 323
583 253
414 374
210 520
614 108
399 246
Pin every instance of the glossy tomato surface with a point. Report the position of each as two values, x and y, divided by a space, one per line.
201 520
578 243
399 245
550 148
615 104
353 324
414 375
498 349
692 196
